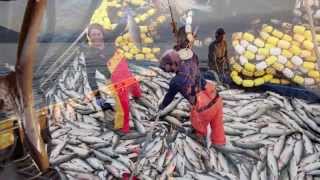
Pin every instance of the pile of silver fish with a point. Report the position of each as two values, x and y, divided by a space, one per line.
268 136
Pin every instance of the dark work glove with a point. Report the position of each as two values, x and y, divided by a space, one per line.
104 105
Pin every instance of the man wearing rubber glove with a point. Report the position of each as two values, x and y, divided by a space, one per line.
206 103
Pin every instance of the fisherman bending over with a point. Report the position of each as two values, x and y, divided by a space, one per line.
206 103
218 55
96 55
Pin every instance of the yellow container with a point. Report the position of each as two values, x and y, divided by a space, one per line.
287 37
146 50
139 57
314 74
267 28
278 66
305 53
298 79
259 42
295 50
263 51
237 36
308 45
309 65
267 77
299 38
128 55
237 80
249 55
248 83
237 67
264 35
119 41
271 60
250 67
277 33
284 81
156 50
311 58
247 73
299 29
150 56
131 45
252 48
259 81
270 70
286 53
275 81
248 37
273 40
259 73
283 44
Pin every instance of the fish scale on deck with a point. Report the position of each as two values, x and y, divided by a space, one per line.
267 136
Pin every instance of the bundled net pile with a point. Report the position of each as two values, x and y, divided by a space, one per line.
274 55
267 135
147 19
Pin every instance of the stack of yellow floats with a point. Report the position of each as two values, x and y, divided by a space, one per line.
275 57
148 22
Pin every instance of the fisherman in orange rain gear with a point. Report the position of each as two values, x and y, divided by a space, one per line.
206 103
117 73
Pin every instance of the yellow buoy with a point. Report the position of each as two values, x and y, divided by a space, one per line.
314 74
295 50
309 65
298 37
305 53
298 79
128 55
275 81
237 67
278 66
146 50
283 44
139 57
311 58
287 37
259 73
234 73
247 73
267 77
156 50
277 33
308 35
267 28
273 40
263 51
258 42
248 83
299 29
237 80
286 53
271 60
134 51
264 35
249 67
308 45
259 81
249 55
248 37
